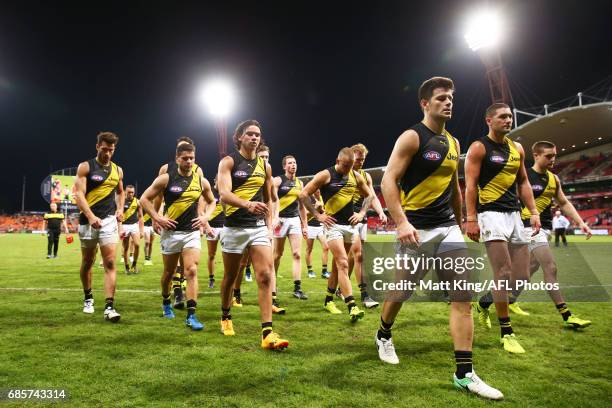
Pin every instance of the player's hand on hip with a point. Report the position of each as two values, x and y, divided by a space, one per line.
257 207
472 230
326 220
95 222
407 234
166 223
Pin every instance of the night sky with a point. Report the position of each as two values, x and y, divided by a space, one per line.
317 75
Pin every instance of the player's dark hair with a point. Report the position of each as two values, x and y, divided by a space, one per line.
242 126
108 137
541 145
184 147
490 112
184 139
427 88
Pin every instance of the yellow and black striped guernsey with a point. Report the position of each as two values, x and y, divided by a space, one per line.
102 182
358 198
217 219
426 185
288 193
544 186
181 198
497 180
338 195
130 211
148 222
248 178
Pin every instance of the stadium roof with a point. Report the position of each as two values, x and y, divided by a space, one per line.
571 129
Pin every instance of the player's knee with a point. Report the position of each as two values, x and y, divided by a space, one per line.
109 263
342 263
263 276
296 255
463 308
550 268
191 271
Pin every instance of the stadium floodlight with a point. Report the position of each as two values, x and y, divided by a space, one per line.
483 30
217 96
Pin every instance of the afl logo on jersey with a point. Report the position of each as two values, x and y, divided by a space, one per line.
97 177
286 188
432 155
537 187
497 159
175 189
241 174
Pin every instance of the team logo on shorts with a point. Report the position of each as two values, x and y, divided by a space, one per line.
497 159
432 155
97 177
241 174
176 189
537 187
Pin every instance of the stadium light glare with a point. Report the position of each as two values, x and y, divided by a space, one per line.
217 96
483 29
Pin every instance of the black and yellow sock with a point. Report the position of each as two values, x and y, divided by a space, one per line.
330 295
565 312
363 289
166 299
191 307
274 300
505 326
237 294
266 328
225 314
324 268
108 303
211 278
384 330
88 294
350 302
463 361
297 285
176 284
309 267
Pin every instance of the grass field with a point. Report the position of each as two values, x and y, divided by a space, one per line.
47 342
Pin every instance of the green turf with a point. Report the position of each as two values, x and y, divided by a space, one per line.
47 342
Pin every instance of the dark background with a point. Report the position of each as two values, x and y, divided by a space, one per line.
317 75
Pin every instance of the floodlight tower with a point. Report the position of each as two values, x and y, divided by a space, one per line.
483 34
217 96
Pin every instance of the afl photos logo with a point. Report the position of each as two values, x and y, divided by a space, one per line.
432 155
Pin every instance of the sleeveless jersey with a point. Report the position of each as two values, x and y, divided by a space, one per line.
338 195
427 183
288 193
497 180
148 222
544 187
217 219
102 182
357 198
130 211
181 199
248 178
